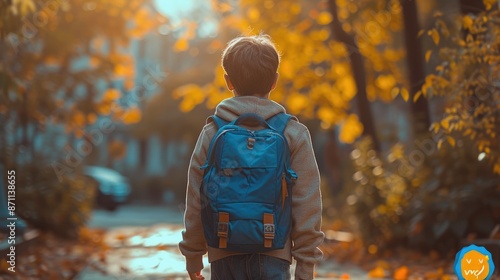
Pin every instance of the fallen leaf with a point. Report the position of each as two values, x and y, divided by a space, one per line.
377 272
402 273
345 276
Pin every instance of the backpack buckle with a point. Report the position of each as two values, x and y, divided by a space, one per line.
250 143
269 231
222 229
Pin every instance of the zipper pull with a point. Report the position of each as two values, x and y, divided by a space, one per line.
284 190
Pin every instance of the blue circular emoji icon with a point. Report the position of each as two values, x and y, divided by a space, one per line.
474 263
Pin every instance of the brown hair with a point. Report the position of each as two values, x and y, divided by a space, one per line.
251 63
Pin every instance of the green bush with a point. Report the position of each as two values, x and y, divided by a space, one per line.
449 195
61 207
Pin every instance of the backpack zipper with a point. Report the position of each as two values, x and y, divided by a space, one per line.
284 190
209 161
292 176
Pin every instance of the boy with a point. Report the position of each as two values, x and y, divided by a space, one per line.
250 65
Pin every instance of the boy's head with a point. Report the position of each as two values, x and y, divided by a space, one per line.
251 65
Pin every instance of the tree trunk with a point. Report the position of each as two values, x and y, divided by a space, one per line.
471 6
415 59
333 164
143 154
358 71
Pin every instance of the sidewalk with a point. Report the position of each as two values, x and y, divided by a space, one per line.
151 253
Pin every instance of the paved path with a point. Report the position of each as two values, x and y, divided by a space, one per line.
143 245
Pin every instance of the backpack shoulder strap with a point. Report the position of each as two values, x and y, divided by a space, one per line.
218 121
279 122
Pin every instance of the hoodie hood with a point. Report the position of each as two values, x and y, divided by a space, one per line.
229 109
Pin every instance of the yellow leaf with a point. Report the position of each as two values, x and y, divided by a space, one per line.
79 118
351 129
132 115
347 85
417 95
189 91
191 94
405 94
489 4
324 18
181 45
296 102
327 115
435 35
440 143
428 55
253 14
451 140
467 22
124 70
496 168
23 7
394 92
445 123
287 69
295 8
385 82
111 94
422 31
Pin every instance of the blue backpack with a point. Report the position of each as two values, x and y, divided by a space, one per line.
245 200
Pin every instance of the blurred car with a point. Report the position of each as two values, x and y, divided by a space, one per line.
113 189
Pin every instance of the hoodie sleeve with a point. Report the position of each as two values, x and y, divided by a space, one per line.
193 245
306 207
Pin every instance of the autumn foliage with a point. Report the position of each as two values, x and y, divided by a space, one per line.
65 66
422 195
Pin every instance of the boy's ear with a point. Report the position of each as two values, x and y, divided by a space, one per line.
275 81
229 84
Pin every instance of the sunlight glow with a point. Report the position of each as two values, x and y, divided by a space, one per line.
174 9
179 12
481 156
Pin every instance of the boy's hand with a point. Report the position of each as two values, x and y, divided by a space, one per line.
196 276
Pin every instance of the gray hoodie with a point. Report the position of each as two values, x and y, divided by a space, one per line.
306 233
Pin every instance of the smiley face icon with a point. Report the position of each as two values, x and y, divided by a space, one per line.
474 263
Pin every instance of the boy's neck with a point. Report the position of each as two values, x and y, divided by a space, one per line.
265 96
